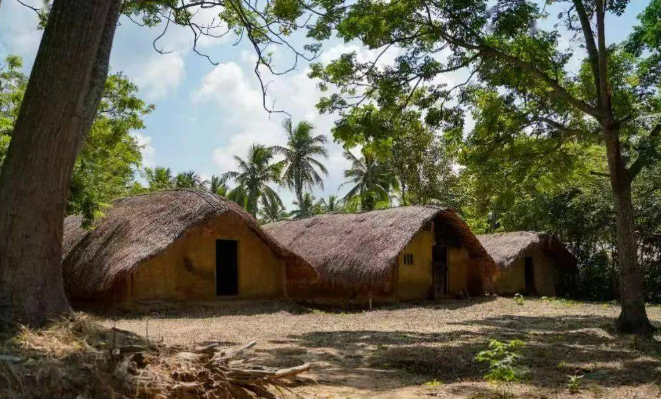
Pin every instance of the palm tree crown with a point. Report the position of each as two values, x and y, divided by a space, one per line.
253 176
331 204
217 186
159 178
371 179
189 179
272 212
306 207
302 170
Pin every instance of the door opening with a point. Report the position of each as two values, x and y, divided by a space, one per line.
440 270
529 271
227 268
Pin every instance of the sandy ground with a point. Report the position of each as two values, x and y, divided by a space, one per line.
425 350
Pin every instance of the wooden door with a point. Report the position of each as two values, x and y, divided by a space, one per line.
227 268
440 270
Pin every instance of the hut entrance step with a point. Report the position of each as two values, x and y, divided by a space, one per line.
227 268
440 270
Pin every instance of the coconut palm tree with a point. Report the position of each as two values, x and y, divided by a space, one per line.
372 180
302 170
189 179
217 186
253 176
305 207
272 212
159 178
331 204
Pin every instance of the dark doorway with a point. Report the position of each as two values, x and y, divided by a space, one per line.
529 276
440 270
227 268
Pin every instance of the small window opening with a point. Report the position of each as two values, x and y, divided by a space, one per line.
408 259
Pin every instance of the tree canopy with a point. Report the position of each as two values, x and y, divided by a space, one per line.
106 166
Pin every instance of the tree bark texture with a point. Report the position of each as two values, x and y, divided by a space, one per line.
633 317
60 102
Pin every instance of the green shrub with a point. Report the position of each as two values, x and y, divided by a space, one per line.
503 359
518 298
574 384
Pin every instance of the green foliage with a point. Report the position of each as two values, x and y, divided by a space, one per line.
535 158
271 212
159 178
217 186
434 383
189 179
305 208
418 158
262 24
252 179
301 169
330 205
106 165
372 180
574 384
503 359
519 300
12 87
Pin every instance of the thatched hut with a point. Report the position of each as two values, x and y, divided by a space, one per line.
176 245
528 262
405 253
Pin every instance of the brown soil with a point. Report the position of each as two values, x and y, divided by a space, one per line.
426 350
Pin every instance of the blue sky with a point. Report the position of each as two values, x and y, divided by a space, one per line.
204 113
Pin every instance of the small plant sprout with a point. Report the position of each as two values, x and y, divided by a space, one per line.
518 298
503 359
433 383
574 384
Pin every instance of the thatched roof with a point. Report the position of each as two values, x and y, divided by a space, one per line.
138 228
362 249
505 248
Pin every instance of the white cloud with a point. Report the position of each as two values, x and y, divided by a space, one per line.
234 91
159 75
226 85
146 149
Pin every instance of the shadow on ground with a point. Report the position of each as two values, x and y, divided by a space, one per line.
169 309
556 347
195 310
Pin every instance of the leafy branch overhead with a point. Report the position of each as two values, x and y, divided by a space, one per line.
505 51
529 70
267 26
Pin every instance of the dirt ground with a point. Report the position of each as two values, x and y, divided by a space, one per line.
425 350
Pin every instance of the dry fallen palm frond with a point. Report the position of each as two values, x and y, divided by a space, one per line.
204 372
79 357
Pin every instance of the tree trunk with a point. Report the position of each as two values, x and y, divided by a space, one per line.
55 114
633 317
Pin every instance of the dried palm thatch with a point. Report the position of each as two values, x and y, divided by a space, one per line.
138 228
505 248
362 249
76 358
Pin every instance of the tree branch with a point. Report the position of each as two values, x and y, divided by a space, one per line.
604 92
558 91
644 158
590 44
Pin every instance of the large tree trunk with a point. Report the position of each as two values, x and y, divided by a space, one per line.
55 114
633 317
